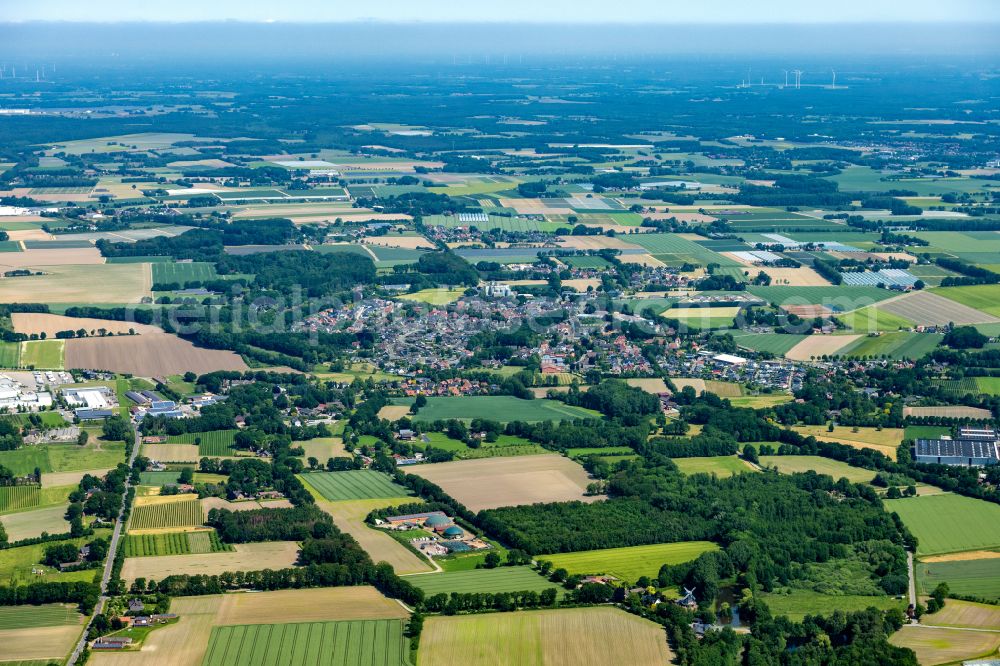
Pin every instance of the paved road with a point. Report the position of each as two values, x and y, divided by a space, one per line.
108 563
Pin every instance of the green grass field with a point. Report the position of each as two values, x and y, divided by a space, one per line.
585 261
195 271
980 578
896 345
211 443
63 457
501 408
15 498
631 562
440 296
842 298
345 643
721 466
185 513
948 523
799 603
42 354
354 484
16 563
501 579
677 249
174 543
158 478
768 342
599 451
818 464
10 354
925 432
871 319
31 617
985 298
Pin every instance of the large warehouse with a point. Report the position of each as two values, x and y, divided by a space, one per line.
965 452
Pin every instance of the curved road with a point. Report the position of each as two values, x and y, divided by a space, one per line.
109 562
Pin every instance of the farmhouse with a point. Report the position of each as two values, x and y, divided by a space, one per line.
964 452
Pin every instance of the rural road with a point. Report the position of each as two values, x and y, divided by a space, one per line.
913 582
109 562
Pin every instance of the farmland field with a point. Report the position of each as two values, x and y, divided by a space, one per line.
349 643
942 306
885 441
840 298
501 408
148 355
945 646
631 562
354 484
14 498
896 345
45 615
243 557
171 453
154 515
174 543
186 642
439 296
85 281
349 517
976 577
182 272
776 344
500 579
10 354
817 346
211 443
43 354
30 524
569 637
494 482
721 466
63 457
948 523
799 603
818 464
674 248
984 298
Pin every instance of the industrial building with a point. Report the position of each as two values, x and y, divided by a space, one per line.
964 452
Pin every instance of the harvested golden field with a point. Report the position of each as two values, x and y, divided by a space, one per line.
815 346
27 234
41 643
247 557
962 557
104 283
569 637
640 260
174 453
50 324
581 284
944 646
323 448
349 516
312 605
654 385
56 479
54 257
965 614
534 207
148 355
792 277
884 441
393 412
186 642
697 384
489 483
410 242
181 644
807 311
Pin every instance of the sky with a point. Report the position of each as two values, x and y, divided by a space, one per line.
498 11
